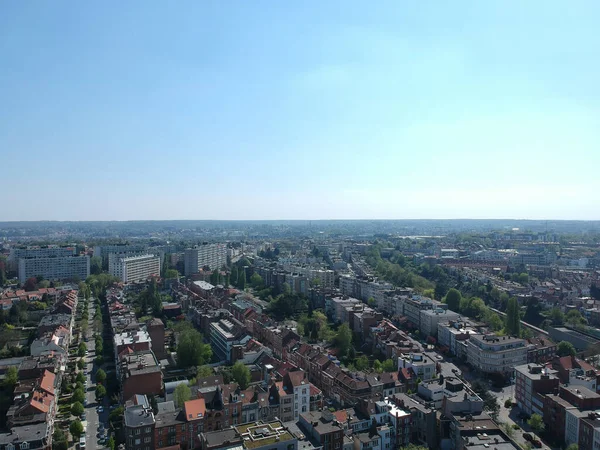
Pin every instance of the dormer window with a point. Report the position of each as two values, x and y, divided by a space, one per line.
24 446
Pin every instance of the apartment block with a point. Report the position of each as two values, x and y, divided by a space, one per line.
213 256
134 269
496 354
431 317
54 267
531 382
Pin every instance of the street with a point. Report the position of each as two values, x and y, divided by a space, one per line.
91 411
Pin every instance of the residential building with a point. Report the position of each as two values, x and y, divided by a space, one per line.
156 330
323 429
430 318
138 421
104 251
55 267
423 366
171 428
134 269
589 432
531 382
139 373
213 256
452 332
36 436
496 354
224 335
253 436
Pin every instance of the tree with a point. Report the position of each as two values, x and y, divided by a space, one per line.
512 324
80 377
389 366
575 318
214 277
377 366
536 423
343 339
573 447
81 349
241 374
182 394
362 363
256 281
414 447
523 278
76 429
95 265
100 376
204 371
171 274
565 348
191 350
30 284
81 364
78 396
453 298
59 440
234 275
100 392
11 377
77 409
111 443
557 317
242 279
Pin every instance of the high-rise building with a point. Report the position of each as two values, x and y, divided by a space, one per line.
133 269
213 256
54 267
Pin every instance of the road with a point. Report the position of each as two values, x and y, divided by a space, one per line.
91 411
511 415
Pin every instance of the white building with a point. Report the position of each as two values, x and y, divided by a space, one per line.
431 317
421 364
214 256
133 269
452 332
572 417
55 267
496 354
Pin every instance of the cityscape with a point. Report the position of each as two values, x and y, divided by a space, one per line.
300 335
315 225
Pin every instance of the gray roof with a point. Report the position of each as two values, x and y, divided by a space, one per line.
219 437
138 416
25 433
165 407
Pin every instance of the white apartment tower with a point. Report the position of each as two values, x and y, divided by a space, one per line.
212 255
133 269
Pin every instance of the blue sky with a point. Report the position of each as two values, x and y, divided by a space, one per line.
300 110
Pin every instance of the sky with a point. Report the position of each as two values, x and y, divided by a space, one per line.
299 110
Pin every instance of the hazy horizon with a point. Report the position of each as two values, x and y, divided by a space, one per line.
310 111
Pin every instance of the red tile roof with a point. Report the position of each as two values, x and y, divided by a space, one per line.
194 409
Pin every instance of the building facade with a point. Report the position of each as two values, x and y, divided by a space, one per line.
213 256
134 269
54 267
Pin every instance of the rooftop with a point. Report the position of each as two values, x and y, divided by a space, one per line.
536 371
138 416
263 434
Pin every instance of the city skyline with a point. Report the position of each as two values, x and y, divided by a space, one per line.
309 111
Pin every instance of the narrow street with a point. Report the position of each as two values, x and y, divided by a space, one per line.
91 410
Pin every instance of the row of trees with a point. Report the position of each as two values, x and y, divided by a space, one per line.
191 349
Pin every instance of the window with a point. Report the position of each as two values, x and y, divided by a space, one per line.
24 445
147 439
183 427
147 430
138 441
304 391
137 431
160 443
304 409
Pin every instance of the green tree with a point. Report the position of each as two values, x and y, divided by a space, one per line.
11 377
390 366
76 429
512 324
573 447
100 376
78 396
557 317
414 447
81 349
241 374
111 443
80 377
171 274
523 278
372 302
95 265
215 277
536 423
100 392
59 440
234 275
377 366
204 371
452 299
575 318
343 339
182 394
242 280
565 348
362 363
77 409
256 281
191 350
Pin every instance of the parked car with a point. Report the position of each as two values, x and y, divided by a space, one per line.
528 437
537 443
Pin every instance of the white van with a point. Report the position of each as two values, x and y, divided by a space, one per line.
82 442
